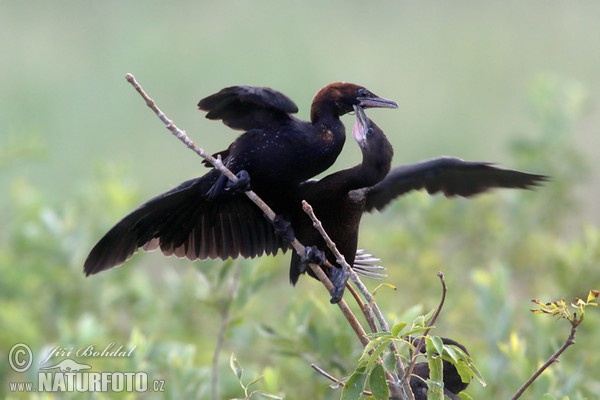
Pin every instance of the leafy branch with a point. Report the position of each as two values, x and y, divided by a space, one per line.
561 309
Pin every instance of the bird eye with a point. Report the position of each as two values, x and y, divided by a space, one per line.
362 92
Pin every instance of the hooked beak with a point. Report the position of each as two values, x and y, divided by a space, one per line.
376 102
361 126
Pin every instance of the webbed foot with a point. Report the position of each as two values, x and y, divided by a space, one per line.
283 228
241 185
338 277
312 255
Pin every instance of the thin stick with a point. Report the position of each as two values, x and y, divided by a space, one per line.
553 358
395 383
298 247
342 262
430 324
333 378
363 307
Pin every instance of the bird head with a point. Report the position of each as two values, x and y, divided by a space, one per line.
340 97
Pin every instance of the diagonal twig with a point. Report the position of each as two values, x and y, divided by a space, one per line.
334 379
399 390
430 323
553 358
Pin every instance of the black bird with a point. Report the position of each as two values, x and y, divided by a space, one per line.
453 383
340 199
207 217
339 212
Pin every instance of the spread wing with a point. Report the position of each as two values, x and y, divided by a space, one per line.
449 175
183 223
248 107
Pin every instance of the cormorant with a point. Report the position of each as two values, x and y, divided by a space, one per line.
453 383
207 217
340 199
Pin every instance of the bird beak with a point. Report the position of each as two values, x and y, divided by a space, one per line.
361 126
376 102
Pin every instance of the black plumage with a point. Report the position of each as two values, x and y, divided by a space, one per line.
450 176
453 383
332 202
202 218
340 199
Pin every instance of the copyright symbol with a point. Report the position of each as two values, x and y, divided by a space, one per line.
20 357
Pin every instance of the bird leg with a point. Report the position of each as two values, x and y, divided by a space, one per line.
241 185
338 277
283 228
225 187
312 255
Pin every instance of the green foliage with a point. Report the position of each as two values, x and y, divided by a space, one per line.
235 365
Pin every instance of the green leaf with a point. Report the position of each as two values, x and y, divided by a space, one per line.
389 361
396 329
433 346
355 385
375 356
253 382
236 366
384 285
435 383
417 329
375 343
466 368
267 395
465 372
450 353
378 383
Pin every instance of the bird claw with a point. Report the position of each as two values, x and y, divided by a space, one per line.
312 255
338 277
283 228
241 185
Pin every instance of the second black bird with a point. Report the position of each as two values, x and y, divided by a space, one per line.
339 200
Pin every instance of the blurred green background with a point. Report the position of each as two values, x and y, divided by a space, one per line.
512 82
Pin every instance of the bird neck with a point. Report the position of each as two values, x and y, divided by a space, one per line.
374 167
377 159
376 163
325 109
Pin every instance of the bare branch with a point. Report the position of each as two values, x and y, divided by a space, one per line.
397 388
430 323
363 307
553 358
333 378
342 262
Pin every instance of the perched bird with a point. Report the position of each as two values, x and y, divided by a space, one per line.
340 199
453 383
209 217
339 212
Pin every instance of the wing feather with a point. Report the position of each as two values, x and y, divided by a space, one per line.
449 175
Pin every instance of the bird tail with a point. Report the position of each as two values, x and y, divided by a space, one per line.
367 265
